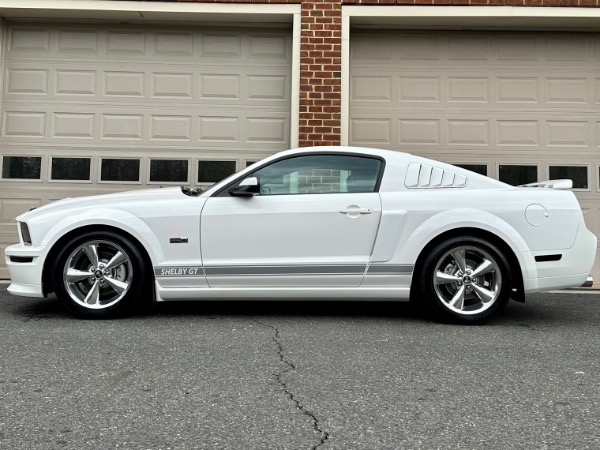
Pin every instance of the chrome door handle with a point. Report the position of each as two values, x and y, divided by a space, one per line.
356 210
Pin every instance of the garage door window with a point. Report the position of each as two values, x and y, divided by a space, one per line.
579 175
213 171
120 170
516 175
71 169
477 168
21 167
169 170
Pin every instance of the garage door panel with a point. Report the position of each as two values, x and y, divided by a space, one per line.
148 45
514 47
416 132
129 85
26 81
29 40
140 126
518 90
503 133
518 132
500 90
173 44
23 124
514 103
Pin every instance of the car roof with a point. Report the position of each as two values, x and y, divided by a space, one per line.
346 149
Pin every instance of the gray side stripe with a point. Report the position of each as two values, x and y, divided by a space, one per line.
284 270
390 270
216 271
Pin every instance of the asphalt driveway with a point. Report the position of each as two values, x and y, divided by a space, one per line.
328 375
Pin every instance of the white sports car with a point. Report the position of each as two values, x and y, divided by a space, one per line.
314 223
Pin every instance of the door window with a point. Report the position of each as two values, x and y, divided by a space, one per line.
320 174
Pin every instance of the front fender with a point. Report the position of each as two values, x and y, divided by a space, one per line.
110 217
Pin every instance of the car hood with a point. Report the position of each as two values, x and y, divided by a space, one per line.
118 200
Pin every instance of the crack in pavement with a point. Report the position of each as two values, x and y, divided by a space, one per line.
278 376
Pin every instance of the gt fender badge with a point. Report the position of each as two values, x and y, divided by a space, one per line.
178 240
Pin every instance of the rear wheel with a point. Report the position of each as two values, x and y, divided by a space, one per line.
99 274
465 280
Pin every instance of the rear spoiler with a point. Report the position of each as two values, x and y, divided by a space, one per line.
552 184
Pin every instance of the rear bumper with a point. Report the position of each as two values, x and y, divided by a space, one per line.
25 277
572 270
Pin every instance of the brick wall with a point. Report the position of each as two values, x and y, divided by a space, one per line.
320 72
319 181
321 46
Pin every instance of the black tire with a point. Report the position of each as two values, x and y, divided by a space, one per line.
472 294
104 286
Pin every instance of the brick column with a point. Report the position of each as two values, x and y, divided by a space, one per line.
320 72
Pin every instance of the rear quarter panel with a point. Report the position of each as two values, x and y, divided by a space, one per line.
427 213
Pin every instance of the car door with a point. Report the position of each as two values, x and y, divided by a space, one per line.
312 223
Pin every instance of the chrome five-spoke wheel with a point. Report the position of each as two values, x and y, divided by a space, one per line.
99 274
467 280
464 280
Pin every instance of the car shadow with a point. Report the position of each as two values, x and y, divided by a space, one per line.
291 308
38 309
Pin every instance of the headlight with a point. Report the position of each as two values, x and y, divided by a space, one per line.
24 230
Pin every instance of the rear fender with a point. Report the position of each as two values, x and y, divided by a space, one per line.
415 238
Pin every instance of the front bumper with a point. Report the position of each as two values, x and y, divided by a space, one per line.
572 270
25 277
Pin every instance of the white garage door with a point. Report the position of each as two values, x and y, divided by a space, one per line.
515 106
89 109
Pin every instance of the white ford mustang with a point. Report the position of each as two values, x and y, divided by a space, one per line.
316 223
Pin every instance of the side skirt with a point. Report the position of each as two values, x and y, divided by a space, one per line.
295 293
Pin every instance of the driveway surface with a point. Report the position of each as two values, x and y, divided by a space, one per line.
327 375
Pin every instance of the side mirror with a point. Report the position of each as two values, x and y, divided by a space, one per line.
249 187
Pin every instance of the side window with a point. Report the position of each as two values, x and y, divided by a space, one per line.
319 174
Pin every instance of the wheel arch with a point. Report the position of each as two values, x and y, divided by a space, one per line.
516 276
47 284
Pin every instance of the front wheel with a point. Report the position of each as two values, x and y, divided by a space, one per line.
465 280
99 275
